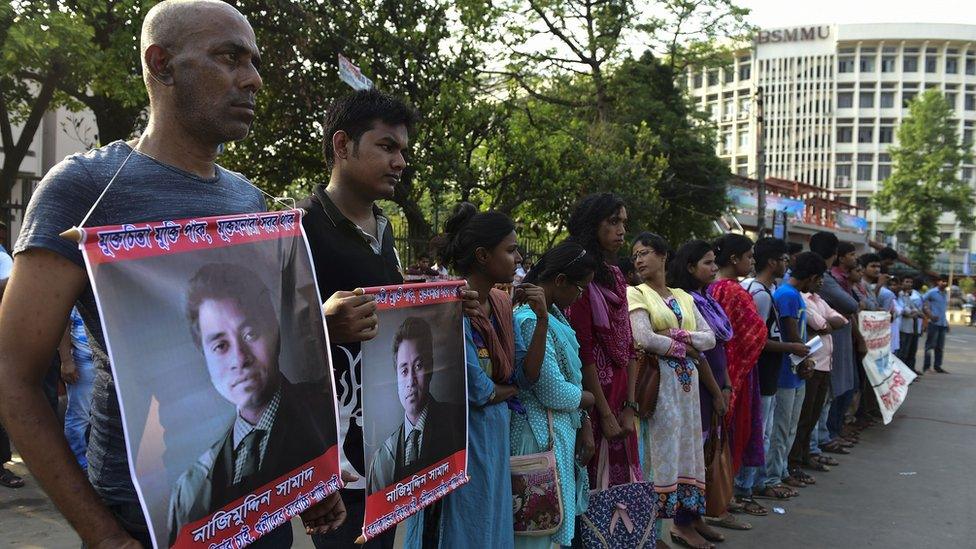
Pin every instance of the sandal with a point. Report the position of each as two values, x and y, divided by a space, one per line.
814 465
752 507
803 477
835 448
827 460
794 482
728 521
10 480
771 492
675 538
734 506
709 534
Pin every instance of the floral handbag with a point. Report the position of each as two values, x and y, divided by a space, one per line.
537 501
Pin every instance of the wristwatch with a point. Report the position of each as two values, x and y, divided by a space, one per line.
632 405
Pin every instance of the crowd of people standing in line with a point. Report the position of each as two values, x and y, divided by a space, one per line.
569 343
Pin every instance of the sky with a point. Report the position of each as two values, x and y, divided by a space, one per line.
783 13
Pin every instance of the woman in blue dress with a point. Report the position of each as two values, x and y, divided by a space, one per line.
556 281
482 247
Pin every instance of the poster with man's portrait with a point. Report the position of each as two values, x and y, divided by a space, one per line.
414 402
221 363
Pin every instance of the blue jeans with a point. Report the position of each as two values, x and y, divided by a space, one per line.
789 403
820 434
935 342
78 413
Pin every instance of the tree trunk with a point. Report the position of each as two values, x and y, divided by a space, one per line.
419 231
14 153
114 120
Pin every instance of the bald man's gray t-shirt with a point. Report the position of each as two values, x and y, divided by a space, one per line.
144 190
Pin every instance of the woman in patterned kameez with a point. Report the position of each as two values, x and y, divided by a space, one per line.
667 323
558 279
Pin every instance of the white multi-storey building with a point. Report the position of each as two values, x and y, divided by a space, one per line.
833 97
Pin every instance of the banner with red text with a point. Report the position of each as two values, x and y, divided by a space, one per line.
414 402
888 375
220 360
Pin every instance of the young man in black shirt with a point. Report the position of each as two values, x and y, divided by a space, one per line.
366 135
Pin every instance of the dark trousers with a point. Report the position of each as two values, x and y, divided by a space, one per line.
813 402
908 348
345 536
934 342
838 413
4 447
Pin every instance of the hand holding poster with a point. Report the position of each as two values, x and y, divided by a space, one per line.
888 375
220 358
414 402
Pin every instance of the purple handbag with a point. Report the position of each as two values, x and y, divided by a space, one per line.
620 516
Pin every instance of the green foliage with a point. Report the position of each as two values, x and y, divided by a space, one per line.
925 180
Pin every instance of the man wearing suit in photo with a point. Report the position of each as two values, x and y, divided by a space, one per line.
278 425
431 430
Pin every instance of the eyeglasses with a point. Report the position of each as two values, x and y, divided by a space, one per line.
645 252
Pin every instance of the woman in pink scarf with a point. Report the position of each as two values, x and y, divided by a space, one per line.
602 326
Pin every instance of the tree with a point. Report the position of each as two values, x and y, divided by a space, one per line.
78 54
925 182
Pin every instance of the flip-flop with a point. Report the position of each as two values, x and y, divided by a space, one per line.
803 477
10 480
729 522
826 460
794 482
770 492
814 466
835 449
685 543
752 507
716 537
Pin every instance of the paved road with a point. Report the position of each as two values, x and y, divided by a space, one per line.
908 484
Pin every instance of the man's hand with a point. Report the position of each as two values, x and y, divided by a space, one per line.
351 316
535 297
69 372
799 349
470 304
329 513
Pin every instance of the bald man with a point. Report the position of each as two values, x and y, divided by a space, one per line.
200 63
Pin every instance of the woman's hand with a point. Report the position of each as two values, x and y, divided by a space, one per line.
611 429
626 422
587 400
585 445
720 405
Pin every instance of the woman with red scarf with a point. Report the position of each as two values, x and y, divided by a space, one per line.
602 324
734 256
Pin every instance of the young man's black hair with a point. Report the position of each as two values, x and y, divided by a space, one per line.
808 264
824 244
355 114
793 248
868 258
768 249
888 254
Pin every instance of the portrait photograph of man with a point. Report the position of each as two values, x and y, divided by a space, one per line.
221 362
430 430
234 324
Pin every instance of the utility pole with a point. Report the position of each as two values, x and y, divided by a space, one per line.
761 175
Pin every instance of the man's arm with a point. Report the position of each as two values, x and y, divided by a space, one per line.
35 308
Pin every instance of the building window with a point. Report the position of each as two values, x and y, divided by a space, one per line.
887 100
845 134
845 100
744 104
964 239
727 113
745 71
697 82
713 77
952 65
906 97
886 134
970 102
909 63
727 140
845 63
865 134
967 136
866 100
887 63
931 62
967 175
867 63
970 64
865 172
743 139
862 202
950 98
742 166
884 171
